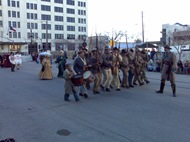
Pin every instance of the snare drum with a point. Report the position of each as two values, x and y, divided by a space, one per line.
78 80
88 76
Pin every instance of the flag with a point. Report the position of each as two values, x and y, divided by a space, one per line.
11 28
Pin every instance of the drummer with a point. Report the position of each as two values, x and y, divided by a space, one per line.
80 65
69 87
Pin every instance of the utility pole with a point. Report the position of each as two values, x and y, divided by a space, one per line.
31 36
142 28
46 35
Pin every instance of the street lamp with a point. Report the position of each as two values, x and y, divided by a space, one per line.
84 44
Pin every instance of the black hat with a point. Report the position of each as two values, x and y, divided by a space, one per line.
115 48
123 51
167 46
131 50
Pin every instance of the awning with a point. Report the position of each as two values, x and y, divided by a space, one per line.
147 45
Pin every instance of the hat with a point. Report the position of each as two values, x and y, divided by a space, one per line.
131 50
115 48
167 46
123 51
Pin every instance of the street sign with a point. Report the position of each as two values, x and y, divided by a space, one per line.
112 42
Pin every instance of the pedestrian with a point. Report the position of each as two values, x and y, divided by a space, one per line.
18 60
69 86
12 61
168 70
46 72
61 60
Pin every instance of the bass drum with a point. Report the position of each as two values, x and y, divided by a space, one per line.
88 76
78 80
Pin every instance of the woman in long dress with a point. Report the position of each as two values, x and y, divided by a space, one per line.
46 72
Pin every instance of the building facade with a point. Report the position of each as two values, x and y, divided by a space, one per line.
33 25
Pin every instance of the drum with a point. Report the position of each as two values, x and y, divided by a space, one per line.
77 80
88 77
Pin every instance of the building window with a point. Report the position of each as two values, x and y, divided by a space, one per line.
46 17
59 27
9 13
59 36
14 24
19 35
28 15
44 26
14 35
46 0
35 16
8 3
18 14
71 19
70 28
13 13
44 36
1 23
70 11
58 1
18 23
0 12
18 4
70 36
35 6
36 26
13 4
0 2
27 6
31 6
70 2
59 18
28 25
58 9
32 15
45 8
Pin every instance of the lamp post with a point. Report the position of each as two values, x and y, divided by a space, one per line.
46 47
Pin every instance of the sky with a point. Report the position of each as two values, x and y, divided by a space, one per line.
106 16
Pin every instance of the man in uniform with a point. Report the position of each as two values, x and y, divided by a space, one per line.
106 60
138 69
116 60
95 69
145 58
168 68
125 68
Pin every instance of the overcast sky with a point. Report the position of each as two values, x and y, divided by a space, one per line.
126 15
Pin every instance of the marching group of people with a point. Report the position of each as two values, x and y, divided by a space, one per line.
106 68
110 69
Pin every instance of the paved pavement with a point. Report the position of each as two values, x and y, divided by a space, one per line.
33 110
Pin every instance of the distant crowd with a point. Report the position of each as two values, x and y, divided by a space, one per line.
183 67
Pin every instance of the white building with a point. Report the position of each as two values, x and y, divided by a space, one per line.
42 24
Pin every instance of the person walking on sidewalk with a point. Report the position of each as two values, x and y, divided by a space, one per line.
168 68
12 61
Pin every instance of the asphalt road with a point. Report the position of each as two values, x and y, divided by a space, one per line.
33 110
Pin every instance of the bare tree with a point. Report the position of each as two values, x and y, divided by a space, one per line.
179 39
